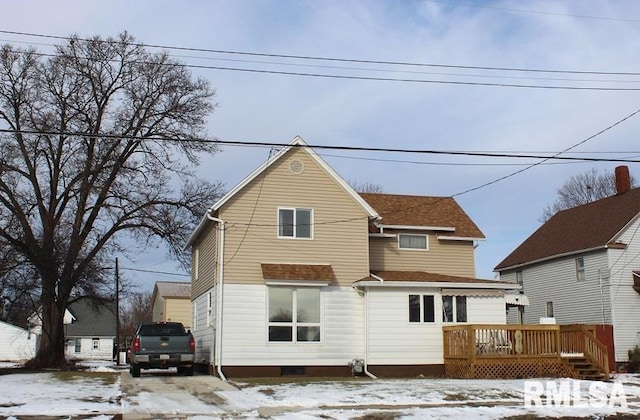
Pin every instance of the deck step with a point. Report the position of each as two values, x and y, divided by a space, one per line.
582 368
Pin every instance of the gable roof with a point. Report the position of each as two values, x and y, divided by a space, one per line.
586 227
91 320
297 142
172 289
438 213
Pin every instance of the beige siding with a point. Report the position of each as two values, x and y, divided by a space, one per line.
455 258
204 276
178 310
158 309
340 235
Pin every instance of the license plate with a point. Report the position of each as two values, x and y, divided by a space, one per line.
164 357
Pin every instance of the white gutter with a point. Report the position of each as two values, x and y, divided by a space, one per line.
380 279
366 335
553 257
218 344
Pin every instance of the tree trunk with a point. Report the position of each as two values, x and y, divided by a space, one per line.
50 354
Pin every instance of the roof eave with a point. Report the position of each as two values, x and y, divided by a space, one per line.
551 257
438 284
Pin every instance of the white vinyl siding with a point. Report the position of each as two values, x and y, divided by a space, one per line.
84 348
16 343
204 334
245 337
421 343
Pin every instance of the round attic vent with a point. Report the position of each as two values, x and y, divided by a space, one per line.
296 167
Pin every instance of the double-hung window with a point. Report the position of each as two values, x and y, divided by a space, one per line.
422 308
96 343
294 314
295 223
416 242
454 309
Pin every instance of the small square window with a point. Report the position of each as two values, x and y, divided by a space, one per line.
295 223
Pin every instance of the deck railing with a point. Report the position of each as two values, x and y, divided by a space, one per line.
491 341
581 340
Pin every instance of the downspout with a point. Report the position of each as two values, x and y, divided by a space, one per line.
218 343
366 334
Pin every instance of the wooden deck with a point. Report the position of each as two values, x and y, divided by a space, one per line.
523 351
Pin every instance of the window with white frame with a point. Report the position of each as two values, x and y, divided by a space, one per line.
454 309
411 241
519 278
209 308
295 223
422 308
96 343
294 314
196 262
77 345
580 269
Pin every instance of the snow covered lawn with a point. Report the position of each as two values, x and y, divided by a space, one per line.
103 392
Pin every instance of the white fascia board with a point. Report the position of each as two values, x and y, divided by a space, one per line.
299 283
553 257
458 238
408 227
382 235
438 284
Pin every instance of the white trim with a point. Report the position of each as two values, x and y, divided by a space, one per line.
296 142
471 292
516 299
553 257
382 235
297 283
295 222
440 284
458 238
409 227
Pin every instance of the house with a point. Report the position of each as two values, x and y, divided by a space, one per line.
90 330
294 272
582 266
172 302
16 344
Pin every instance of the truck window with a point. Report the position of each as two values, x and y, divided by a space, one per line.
162 329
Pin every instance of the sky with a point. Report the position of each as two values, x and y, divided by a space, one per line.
99 393
588 43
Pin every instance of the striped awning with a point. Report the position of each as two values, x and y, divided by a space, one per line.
516 299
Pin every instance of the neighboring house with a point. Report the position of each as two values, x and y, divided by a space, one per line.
172 302
90 330
296 273
16 344
582 266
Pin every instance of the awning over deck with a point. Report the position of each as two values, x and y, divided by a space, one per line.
516 299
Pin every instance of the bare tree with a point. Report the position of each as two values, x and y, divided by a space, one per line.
365 187
98 148
581 189
136 310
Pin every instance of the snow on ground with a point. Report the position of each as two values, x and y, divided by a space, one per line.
103 390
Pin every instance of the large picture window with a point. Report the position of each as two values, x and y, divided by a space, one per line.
294 314
417 242
422 308
295 223
454 309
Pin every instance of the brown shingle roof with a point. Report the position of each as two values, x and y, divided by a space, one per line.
317 272
411 210
584 227
421 276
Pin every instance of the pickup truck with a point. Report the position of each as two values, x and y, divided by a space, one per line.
161 345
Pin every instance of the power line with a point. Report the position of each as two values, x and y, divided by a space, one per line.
555 156
154 272
333 59
538 12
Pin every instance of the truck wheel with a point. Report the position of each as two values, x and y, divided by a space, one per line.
135 370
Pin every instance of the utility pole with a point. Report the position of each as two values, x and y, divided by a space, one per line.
117 313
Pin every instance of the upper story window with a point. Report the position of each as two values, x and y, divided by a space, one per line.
580 269
519 278
418 242
422 308
295 223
